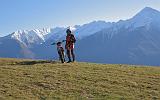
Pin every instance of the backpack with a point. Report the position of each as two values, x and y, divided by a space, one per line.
73 39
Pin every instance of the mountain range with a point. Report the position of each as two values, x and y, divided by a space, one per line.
132 41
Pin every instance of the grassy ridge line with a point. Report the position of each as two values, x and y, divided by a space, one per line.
12 61
43 80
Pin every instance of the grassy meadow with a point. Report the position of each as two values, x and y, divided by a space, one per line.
50 80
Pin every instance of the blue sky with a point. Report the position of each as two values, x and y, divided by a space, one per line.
32 14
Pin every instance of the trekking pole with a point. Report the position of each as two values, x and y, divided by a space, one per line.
53 43
57 42
63 41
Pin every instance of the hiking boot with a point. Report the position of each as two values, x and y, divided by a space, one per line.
69 61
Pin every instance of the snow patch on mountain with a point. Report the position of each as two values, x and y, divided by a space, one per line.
91 28
56 33
31 36
145 17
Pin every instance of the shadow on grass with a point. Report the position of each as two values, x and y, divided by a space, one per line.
35 62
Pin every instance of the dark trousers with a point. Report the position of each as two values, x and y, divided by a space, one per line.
69 53
61 56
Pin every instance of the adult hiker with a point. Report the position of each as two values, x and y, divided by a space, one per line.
70 41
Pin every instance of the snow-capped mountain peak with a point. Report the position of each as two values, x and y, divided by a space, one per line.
147 14
27 37
145 17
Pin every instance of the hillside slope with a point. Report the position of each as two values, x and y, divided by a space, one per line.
43 80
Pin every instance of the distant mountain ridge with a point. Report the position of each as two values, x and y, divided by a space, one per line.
38 36
132 41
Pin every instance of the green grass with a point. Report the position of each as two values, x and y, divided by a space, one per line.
45 80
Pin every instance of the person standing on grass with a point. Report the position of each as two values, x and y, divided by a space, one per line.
70 41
